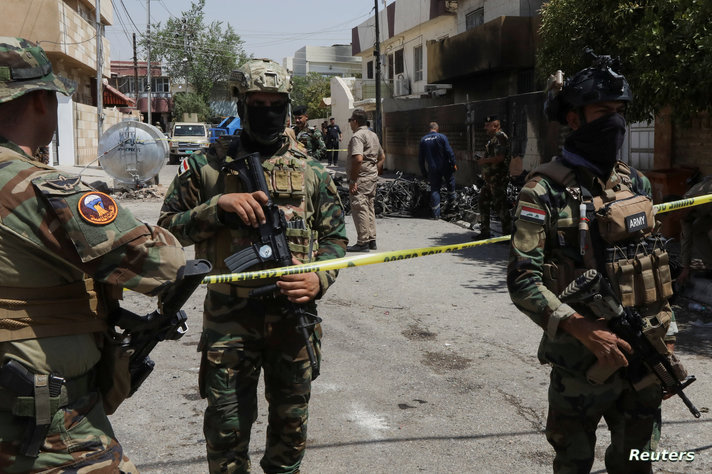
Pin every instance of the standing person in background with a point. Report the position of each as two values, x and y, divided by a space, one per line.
310 137
494 166
363 166
65 249
435 150
333 140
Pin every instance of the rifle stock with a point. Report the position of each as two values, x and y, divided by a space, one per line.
141 333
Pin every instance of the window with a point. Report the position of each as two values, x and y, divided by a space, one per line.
475 18
398 66
369 70
418 63
390 66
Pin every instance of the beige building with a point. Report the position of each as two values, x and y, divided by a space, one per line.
66 29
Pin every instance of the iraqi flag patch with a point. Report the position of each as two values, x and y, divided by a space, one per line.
184 167
532 214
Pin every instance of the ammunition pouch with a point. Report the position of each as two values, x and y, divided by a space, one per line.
639 273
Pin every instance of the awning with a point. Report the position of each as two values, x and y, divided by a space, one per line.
114 97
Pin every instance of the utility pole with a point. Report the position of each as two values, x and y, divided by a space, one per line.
377 53
148 60
135 70
99 75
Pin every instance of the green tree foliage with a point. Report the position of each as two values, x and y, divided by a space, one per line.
665 47
309 90
200 54
189 102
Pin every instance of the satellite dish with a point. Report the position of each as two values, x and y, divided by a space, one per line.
132 152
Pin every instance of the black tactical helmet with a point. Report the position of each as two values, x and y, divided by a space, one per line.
598 83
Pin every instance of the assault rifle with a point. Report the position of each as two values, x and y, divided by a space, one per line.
593 294
141 333
272 247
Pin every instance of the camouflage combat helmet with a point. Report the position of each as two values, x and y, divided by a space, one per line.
260 75
24 67
597 83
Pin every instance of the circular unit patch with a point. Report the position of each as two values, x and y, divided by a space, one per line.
98 208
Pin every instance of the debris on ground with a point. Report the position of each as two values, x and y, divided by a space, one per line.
142 193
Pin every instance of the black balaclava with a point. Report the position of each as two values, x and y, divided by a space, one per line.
599 141
264 125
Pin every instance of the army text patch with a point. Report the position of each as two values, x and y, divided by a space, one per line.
532 214
98 208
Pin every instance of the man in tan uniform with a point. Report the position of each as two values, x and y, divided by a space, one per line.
364 165
62 244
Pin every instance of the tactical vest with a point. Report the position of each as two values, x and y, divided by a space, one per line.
286 175
614 232
35 312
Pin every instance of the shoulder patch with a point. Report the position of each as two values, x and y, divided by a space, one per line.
531 214
184 167
97 208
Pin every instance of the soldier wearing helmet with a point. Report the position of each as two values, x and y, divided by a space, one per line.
561 229
207 205
63 247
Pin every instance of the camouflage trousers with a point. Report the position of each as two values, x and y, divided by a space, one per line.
230 373
575 409
363 211
494 195
436 179
80 439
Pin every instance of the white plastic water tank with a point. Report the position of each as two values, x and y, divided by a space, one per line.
132 152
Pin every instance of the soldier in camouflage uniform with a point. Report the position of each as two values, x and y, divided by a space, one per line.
310 137
548 251
494 166
242 335
61 244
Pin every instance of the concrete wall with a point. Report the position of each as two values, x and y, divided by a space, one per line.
86 135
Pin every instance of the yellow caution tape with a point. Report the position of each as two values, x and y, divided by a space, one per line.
336 149
397 255
682 203
355 261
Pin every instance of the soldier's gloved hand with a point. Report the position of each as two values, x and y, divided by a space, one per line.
247 206
300 288
595 335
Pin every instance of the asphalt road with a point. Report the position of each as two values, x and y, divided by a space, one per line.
427 367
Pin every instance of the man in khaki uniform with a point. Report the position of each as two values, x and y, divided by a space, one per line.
364 164
61 245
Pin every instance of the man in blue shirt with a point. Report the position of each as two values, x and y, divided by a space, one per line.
435 150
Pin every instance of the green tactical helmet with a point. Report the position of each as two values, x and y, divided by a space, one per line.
24 67
260 75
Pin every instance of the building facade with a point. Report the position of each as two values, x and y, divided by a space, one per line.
66 30
335 60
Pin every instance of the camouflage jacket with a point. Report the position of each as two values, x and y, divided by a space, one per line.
54 231
191 212
313 141
497 145
546 232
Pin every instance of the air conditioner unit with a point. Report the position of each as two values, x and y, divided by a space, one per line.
401 85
